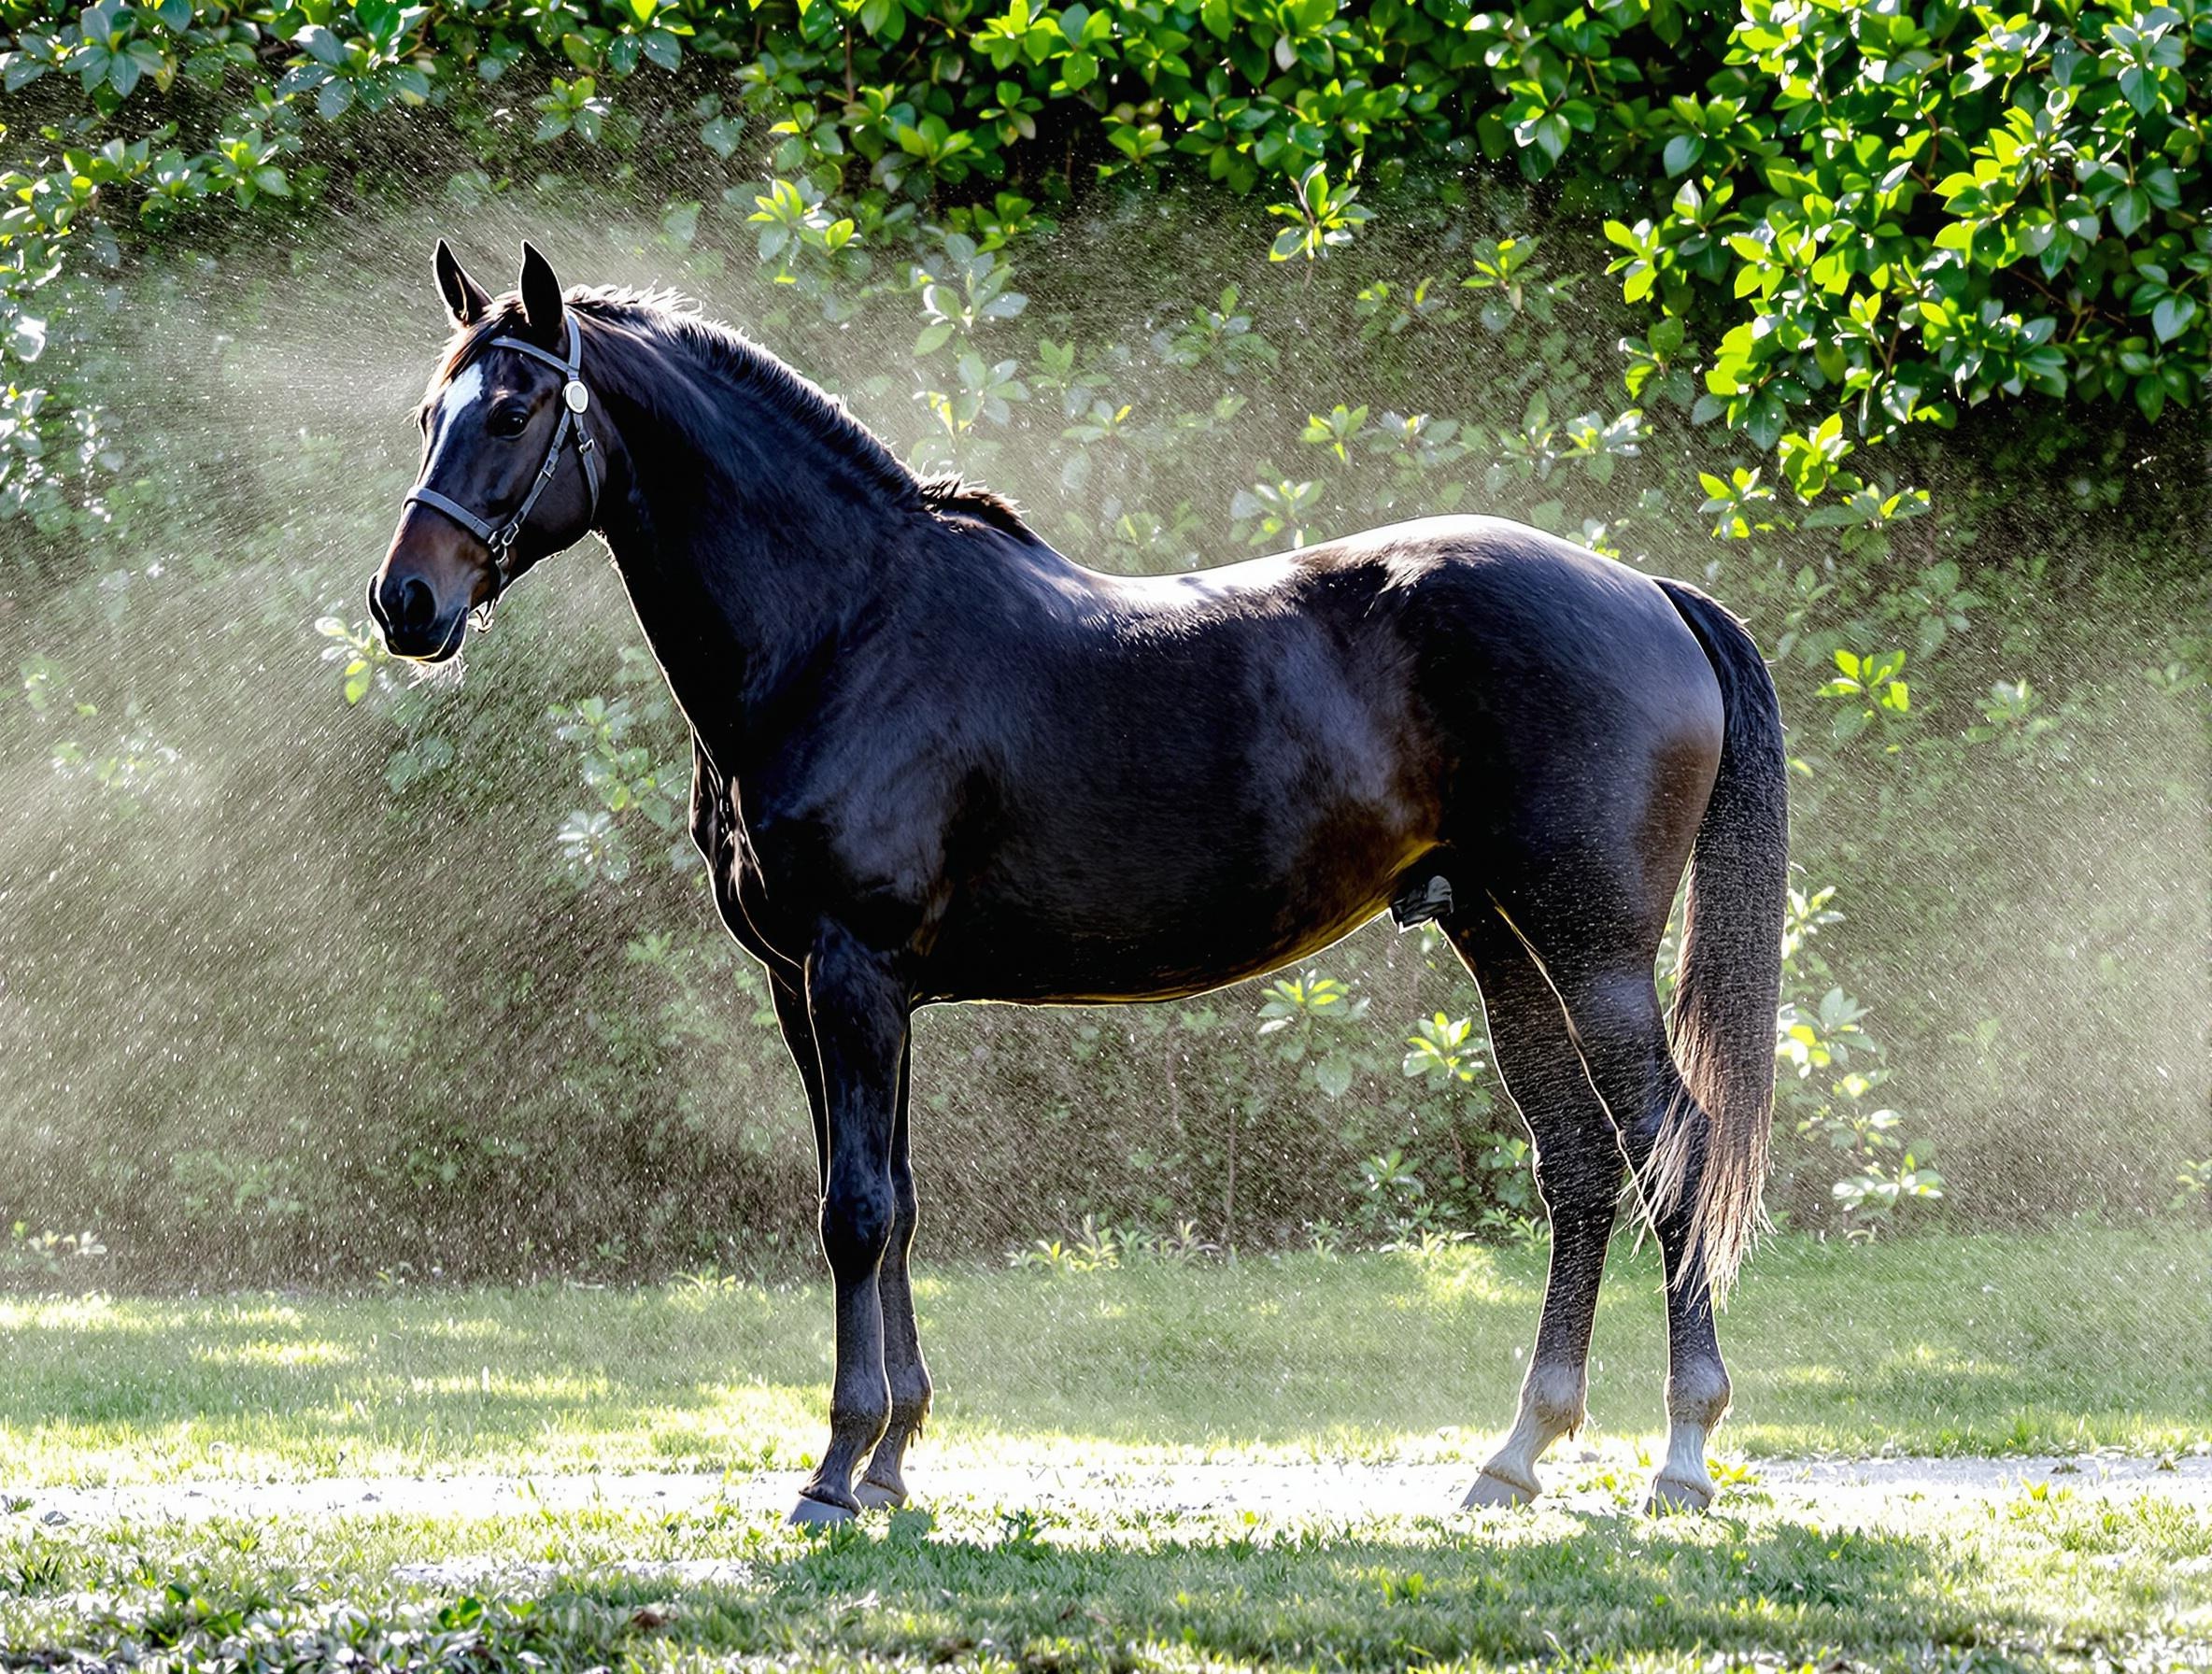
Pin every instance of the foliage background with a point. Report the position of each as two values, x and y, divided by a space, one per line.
1884 322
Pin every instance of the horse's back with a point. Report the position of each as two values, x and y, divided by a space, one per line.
1272 747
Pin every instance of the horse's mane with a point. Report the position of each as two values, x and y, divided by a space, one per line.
953 496
669 320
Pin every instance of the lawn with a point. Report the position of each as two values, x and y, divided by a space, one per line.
2060 1343
2032 1583
1955 1345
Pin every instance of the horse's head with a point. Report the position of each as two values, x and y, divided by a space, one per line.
511 460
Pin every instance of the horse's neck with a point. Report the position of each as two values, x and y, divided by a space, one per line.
746 569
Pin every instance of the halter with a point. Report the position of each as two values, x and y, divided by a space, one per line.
574 399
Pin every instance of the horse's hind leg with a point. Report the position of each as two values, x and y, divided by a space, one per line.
1613 1005
1697 1381
1579 1165
883 1483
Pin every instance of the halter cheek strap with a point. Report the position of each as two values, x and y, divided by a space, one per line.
574 400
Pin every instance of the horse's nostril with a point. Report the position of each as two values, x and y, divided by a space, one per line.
417 604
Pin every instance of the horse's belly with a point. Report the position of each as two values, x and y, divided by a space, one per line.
1115 929
1106 969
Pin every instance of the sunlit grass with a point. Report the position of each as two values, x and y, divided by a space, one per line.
2039 1579
2069 1340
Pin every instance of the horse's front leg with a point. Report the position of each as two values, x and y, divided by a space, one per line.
858 1010
799 1039
883 1483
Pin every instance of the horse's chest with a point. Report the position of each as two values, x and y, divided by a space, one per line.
779 878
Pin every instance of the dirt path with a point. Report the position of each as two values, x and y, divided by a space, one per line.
1863 1489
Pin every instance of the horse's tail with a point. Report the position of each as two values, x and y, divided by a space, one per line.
1729 979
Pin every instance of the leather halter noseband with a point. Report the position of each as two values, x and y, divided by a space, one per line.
575 398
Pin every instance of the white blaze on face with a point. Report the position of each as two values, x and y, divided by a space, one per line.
454 403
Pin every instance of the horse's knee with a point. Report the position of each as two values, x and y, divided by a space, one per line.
855 1222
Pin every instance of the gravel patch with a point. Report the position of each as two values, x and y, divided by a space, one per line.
1271 1491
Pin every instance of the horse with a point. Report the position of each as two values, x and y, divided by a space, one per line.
934 760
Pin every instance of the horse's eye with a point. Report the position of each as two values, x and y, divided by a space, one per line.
510 421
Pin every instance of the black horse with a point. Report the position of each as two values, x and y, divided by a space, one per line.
936 761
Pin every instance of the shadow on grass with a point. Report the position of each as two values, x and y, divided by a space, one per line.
1575 1590
1591 1586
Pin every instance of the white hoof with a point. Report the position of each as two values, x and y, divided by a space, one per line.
874 1496
1670 1494
811 1511
1495 1491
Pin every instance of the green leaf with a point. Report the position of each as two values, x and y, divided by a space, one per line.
27 337
320 44
2130 210
721 135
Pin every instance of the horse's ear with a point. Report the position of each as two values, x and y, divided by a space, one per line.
541 296
465 300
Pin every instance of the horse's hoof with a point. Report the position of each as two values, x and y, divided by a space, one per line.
812 1510
1495 1491
873 1494
1671 1494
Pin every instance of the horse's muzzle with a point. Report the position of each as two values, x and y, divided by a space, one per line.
405 611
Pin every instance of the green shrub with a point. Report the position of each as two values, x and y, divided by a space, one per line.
1987 616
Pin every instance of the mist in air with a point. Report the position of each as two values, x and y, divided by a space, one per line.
302 990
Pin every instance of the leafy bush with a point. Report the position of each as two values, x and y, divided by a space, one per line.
1386 230
1885 211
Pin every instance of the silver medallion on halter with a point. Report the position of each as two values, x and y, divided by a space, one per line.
577 397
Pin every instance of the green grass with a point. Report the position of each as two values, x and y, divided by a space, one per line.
2057 1343
2033 1582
